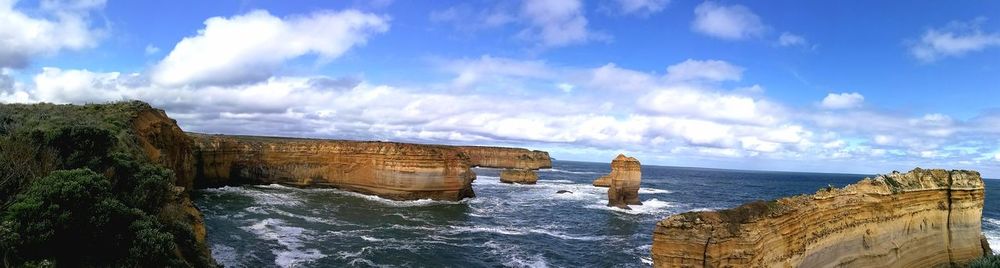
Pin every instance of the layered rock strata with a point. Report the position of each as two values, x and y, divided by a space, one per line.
520 176
399 171
623 182
502 157
923 218
519 164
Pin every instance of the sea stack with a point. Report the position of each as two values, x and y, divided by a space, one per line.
922 218
519 176
624 181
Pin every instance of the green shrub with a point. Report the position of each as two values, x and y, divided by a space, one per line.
986 262
72 217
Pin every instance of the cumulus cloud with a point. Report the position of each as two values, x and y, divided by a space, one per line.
787 39
710 70
556 23
59 25
954 40
249 47
731 22
654 115
642 7
842 100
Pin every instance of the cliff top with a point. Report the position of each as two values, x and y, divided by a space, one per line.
622 157
916 180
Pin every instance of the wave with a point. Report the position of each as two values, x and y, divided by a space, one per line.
290 238
480 229
567 171
651 206
653 191
565 236
556 181
992 234
261 197
225 255
515 257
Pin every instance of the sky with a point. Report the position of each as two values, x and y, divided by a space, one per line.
829 86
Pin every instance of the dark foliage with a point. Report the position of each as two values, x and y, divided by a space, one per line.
986 262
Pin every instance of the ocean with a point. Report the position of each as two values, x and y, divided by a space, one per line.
504 226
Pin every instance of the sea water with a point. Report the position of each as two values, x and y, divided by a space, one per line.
505 225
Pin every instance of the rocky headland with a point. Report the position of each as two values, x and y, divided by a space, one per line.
623 182
923 218
399 171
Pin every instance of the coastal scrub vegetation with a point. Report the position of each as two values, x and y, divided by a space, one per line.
992 261
75 190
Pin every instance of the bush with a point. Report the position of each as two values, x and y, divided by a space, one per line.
986 262
72 217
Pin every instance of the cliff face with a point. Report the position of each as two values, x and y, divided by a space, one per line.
165 143
392 170
623 182
923 218
521 176
501 157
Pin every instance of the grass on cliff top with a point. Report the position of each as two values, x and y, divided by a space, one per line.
733 217
986 262
76 191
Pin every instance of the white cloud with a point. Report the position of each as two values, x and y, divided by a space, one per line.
151 49
659 116
249 47
788 39
842 100
732 22
494 70
59 25
556 23
954 40
694 102
710 70
641 6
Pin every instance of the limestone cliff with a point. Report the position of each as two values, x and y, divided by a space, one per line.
521 176
923 218
623 182
502 157
163 142
388 169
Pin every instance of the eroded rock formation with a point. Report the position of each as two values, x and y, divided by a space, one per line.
502 157
923 218
392 170
623 182
603 181
519 164
520 176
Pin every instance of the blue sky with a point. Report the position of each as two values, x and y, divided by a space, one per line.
859 86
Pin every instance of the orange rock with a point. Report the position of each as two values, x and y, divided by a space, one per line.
521 176
923 218
399 171
502 157
623 182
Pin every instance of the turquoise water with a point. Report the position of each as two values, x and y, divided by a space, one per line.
504 226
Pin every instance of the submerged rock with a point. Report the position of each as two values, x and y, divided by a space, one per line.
923 218
564 192
520 176
625 177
